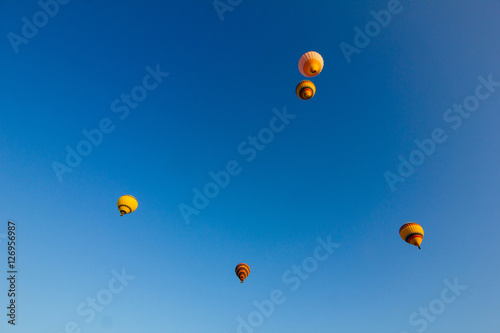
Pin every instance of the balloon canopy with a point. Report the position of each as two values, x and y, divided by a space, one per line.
311 64
412 233
305 90
127 204
242 270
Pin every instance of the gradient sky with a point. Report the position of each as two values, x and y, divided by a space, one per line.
321 176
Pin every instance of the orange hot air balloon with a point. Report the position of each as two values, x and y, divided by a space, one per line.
311 63
305 90
242 270
412 233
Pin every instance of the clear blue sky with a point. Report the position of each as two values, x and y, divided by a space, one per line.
323 175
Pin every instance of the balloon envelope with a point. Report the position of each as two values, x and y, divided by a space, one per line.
311 64
127 204
412 233
305 90
242 270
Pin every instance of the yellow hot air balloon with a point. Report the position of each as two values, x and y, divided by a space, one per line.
311 63
305 90
127 204
412 233
242 270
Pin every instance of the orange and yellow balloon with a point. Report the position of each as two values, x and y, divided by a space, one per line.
305 90
311 63
242 270
127 204
412 233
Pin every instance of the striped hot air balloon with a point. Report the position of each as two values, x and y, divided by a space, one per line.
127 204
305 90
412 233
311 63
242 270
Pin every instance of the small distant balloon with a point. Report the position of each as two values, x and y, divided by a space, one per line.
311 64
127 204
305 90
242 270
412 233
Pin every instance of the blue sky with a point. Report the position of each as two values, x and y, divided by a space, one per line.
322 176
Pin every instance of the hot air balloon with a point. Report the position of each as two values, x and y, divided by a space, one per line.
242 270
305 90
412 233
311 63
127 204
